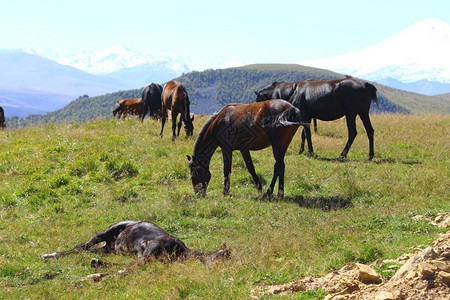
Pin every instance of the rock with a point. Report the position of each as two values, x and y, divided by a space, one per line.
427 270
383 295
427 254
368 275
445 276
442 265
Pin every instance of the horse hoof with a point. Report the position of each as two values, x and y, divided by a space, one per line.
280 195
267 195
341 158
371 157
310 154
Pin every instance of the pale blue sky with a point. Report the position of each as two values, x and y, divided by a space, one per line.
248 31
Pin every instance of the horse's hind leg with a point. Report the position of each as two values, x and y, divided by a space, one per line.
227 160
315 125
278 170
307 132
163 121
108 235
251 168
369 130
351 125
174 125
302 146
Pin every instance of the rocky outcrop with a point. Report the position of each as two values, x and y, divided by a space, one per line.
424 274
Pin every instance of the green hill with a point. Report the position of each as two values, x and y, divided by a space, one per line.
210 90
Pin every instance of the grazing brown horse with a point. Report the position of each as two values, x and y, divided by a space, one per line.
333 99
151 96
245 127
129 106
2 118
279 90
144 239
175 98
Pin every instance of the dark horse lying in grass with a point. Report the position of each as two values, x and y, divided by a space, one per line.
145 239
245 127
333 99
175 98
279 90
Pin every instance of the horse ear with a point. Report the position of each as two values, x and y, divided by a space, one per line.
192 119
256 93
188 157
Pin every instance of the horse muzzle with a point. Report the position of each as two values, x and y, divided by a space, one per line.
200 189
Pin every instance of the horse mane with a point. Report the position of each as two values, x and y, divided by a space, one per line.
202 134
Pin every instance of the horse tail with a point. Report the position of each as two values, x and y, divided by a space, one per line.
373 93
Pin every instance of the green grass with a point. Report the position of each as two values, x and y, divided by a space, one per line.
61 184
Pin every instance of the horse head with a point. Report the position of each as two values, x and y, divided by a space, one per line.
265 93
200 175
189 126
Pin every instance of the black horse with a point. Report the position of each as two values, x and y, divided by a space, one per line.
151 96
2 118
145 239
333 99
279 90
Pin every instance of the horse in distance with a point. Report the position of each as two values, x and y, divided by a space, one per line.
333 99
2 118
151 96
129 106
245 127
175 98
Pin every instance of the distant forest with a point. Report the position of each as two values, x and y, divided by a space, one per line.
208 91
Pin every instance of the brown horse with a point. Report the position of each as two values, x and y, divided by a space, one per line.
2 118
144 239
175 98
129 106
245 127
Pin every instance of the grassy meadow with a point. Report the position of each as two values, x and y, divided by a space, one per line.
61 184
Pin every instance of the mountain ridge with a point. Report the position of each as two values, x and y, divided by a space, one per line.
210 90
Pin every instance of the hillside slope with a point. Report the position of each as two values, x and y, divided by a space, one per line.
210 90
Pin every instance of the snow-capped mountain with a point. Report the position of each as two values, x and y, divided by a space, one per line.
112 60
419 52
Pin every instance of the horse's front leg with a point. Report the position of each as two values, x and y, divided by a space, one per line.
227 160
179 126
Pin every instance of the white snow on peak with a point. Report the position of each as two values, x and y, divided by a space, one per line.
421 51
102 62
